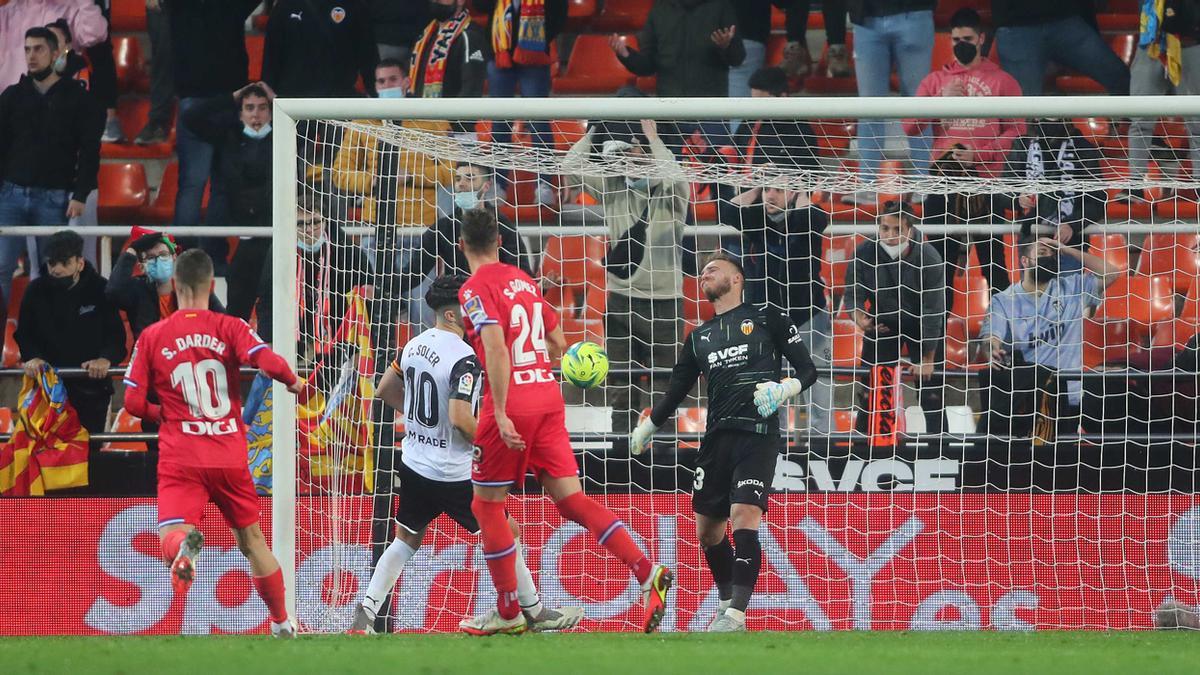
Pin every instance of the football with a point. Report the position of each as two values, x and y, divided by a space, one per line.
585 364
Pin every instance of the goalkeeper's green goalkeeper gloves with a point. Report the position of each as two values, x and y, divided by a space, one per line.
640 439
768 396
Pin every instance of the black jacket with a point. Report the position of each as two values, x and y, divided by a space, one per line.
754 18
242 166
138 296
50 140
908 294
67 326
318 48
676 44
208 45
398 22
1054 151
1033 12
466 65
861 9
440 243
789 143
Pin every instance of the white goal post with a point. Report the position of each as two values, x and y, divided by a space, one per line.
289 113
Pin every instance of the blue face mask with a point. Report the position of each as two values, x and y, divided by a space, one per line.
261 133
160 269
392 92
637 183
466 200
311 247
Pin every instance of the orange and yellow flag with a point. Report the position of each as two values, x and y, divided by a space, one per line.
48 449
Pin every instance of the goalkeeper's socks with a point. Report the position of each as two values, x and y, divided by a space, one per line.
527 593
720 563
499 549
270 589
608 530
171 543
747 559
387 571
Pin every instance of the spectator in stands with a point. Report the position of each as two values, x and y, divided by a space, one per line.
788 142
397 188
797 61
894 289
208 58
888 33
1033 332
150 297
753 21
103 82
86 21
450 58
397 27
1055 151
319 48
49 150
781 242
239 128
67 322
1167 60
1032 33
971 148
645 218
162 85
474 188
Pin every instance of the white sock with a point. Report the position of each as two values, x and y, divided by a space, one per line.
527 593
723 605
386 573
736 614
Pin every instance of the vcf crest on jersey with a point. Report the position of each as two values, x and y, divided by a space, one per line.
747 327
337 14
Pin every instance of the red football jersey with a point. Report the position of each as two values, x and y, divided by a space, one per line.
504 295
191 361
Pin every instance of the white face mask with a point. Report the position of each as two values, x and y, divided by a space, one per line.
893 251
637 183
261 133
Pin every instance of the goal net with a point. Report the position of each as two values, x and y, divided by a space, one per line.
1001 299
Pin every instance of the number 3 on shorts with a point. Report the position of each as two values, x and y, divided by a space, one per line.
698 481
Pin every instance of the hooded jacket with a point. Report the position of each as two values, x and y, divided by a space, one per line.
676 45
914 285
990 138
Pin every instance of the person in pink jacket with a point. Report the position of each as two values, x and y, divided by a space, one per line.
88 27
981 144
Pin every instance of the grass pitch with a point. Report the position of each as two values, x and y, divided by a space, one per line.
1060 653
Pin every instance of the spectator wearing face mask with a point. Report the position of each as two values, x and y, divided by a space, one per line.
87 25
239 129
150 297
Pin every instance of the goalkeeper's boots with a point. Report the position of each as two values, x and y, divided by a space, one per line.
654 596
364 623
491 623
183 569
563 618
721 607
729 622
285 630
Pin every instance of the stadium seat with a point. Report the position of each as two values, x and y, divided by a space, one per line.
254 50
131 68
133 113
1119 15
947 8
818 83
124 423
971 299
847 344
957 344
1174 333
161 210
1142 301
621 16
123 192
696 309
128 16
1112 247
835 258
567 133
580 14
1174 255
1106 342
593 68
1123 45
775 46
576 329
834 136
12 353
576 260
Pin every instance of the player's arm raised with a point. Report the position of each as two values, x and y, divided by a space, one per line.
768 396
391 388
499 374
684 374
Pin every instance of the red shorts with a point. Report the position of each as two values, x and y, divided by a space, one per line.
547 450
183 492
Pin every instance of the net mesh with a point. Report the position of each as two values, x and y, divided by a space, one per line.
984 448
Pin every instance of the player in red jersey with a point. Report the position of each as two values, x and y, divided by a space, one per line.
522 427
191 360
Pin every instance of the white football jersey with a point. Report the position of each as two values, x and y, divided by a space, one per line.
437 366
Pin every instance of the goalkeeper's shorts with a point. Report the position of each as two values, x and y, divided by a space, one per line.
734 467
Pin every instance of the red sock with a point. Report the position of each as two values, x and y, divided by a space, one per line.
270 589
608 530
499 550
170 544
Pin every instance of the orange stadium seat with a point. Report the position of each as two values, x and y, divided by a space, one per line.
1142 301
1123 46
128 16
620 16
836 257
947 8
1119 15
1106 341
957 343
576 329
131 68
1174 333
847 343
133 113
254 50
1112 247
971 299
1175 255
834 136
161 210
580 14
12 353
567 133
696 309
575 260
818 83
593 68
123 192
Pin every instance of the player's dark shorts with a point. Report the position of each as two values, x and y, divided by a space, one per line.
422 500
734 467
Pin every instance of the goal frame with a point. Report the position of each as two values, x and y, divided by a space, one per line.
288 112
